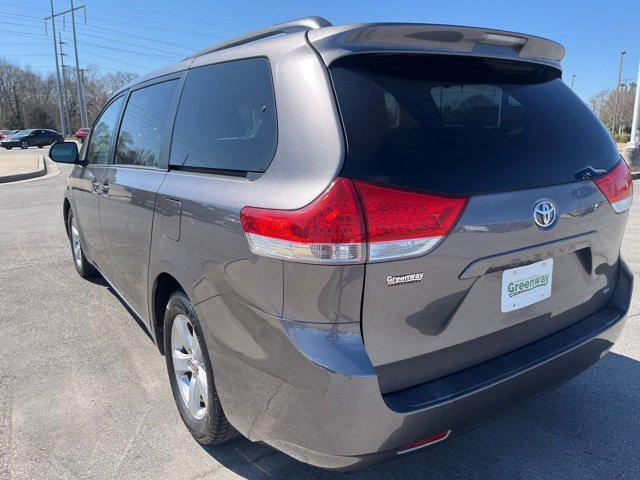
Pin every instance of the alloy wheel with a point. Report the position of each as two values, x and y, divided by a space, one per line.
75 243
189 367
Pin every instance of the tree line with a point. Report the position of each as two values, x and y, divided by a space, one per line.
29 98
603 104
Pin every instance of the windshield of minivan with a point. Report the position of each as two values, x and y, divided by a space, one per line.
464 125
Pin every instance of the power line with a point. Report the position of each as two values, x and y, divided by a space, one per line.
93 53
108 68
24 34
157 11
142 37
120 61
21 15
38 20
118 32
144 54
85 29
101 38
172 15
24 7
14 24
23 44
127 43
184 32
107 47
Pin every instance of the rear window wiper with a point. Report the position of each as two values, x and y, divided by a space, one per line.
588 173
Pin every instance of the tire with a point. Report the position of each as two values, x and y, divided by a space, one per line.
205 420
24 145
8 148
83 267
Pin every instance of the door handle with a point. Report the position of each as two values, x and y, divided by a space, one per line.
104 188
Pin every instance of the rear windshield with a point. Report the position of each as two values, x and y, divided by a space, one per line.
464 126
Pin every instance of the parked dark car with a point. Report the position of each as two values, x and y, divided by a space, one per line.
426 233
82 134
32 138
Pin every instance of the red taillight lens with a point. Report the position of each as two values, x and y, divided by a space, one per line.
617 186
331 229
403 223
328 230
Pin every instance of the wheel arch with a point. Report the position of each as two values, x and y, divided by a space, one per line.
164 286
66 206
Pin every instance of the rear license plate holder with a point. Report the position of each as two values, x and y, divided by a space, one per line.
524 286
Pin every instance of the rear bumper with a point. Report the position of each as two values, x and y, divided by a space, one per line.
312 393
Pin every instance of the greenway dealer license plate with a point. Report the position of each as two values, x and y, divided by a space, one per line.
524 286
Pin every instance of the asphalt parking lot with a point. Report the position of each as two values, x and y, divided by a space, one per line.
23 152
84 392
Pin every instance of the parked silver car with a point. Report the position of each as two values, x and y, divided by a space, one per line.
352 242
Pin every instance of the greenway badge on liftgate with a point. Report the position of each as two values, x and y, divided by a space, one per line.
524 286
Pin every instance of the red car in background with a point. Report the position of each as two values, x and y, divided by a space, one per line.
6 133
82 133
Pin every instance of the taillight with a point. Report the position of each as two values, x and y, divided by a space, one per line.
617 186
403 223
329 230
352 222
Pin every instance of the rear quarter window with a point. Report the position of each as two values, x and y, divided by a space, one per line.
464 126
226 119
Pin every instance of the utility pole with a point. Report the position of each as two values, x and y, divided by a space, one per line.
632 149
64 81
573 80
615 105
59 82
81 99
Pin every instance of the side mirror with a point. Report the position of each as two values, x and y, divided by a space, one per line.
64 152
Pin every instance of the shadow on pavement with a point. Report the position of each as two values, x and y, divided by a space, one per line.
588 428
100 280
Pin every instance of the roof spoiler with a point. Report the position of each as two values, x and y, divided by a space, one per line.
336 42
292 26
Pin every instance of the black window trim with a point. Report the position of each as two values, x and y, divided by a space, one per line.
411 53
253 175
214 171
115 98
163 162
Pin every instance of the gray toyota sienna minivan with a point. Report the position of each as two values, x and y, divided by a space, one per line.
352 242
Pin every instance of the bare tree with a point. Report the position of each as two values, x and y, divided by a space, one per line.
603 103
29 98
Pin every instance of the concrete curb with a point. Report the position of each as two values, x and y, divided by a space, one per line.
39 172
